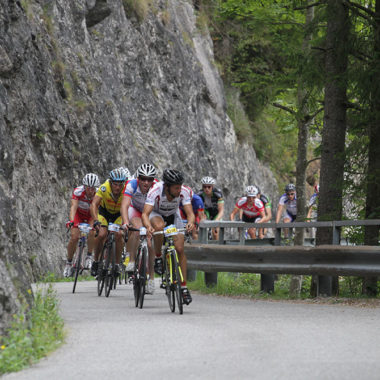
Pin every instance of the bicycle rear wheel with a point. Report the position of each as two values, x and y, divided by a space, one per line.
77 265
177 283
169 290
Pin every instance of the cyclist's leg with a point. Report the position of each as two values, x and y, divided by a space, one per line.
287 219
73 243
158 224
119 237
252 233
133 236
99 243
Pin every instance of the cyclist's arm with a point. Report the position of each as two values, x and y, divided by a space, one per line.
220 211
125 203
145 217
268 215
202 215
308 217
233 213
263 217
190 216
73 208
94 207
279 212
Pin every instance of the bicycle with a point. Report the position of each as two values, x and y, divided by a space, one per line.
171 278
140 274
78 265
107 276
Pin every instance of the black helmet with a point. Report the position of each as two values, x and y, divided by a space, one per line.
172 177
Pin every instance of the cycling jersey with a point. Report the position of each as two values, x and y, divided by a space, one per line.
211 203
313 200
108 202
250 211
157 198
132 190
266 201
197 204
290 205
84 202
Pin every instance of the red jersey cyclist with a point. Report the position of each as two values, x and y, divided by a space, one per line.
252 207
80 213
132 206
162 208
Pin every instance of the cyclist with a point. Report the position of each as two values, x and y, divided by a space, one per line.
312 211
132 206
162 207
287 203
252 207
268 212
106 209
198 210
213 201
80 213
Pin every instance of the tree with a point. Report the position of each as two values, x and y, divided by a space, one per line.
334 128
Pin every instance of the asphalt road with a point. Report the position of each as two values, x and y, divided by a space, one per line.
215 338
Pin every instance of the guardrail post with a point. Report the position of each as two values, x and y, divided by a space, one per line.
211 278
277 236
241 236
267 280
221 235
202 235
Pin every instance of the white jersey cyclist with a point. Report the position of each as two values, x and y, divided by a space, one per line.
132 190
290 206
169 210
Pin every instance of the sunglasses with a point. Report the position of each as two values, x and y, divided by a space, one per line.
291 193
146 179
207 187
117 182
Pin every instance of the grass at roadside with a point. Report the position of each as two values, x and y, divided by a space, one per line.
248 285
34 332
52 277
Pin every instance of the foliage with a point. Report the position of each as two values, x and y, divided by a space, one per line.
52 277
34 332
137 8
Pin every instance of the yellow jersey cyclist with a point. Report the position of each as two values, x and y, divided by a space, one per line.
213 201
162 208
105 209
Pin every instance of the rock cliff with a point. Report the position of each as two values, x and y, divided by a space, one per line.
89 85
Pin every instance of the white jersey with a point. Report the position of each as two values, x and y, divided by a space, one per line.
157 198
132 189
291 205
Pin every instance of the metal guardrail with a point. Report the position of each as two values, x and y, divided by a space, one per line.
249 257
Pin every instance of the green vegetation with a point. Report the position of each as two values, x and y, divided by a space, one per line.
248 285
52 277
33 333
137 8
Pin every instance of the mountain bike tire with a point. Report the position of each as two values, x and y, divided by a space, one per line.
77 264
177 284
142 276
169 286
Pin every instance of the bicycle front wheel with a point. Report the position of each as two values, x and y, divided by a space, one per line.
77 265
169 289
177 283
101 274
110 268
136 283
142 275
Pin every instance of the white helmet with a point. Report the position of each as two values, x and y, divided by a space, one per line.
126 172
251 191
208 181
146 170
91 180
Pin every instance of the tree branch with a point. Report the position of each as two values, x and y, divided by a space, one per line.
287 109
310 161
364 9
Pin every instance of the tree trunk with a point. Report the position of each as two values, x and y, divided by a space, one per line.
301 165
371 235
334 128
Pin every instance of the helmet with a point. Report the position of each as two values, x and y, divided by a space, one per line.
91 180
118 175
126 171
251 191
147 170
172 177
290 187
208 181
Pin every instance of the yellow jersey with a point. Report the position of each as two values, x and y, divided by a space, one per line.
108 201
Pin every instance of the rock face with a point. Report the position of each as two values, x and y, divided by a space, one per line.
89 85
